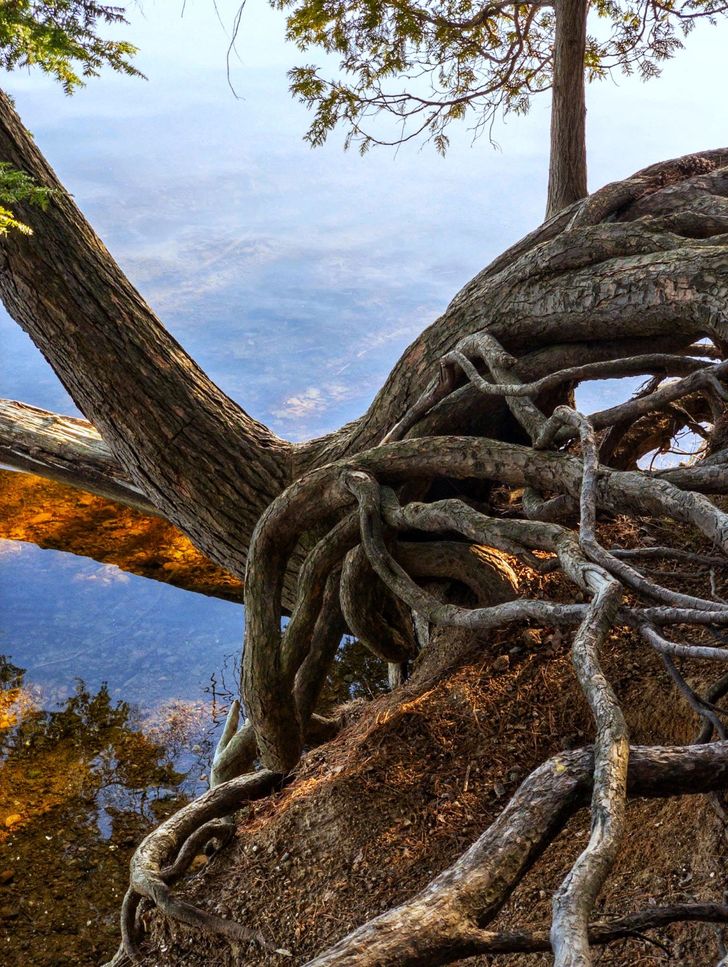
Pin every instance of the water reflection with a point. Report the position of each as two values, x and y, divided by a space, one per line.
65 616
356 673
53 516
113 689
79 787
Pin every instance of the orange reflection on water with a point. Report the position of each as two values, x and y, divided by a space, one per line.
79 788
62 518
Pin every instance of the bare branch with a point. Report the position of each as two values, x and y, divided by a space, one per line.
65 449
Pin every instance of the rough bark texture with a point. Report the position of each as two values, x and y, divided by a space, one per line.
64 449
474 442
220 467
442 923
567 163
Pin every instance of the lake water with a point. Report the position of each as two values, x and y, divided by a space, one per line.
113 688
296 279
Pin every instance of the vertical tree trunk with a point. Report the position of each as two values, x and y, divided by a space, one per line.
567 163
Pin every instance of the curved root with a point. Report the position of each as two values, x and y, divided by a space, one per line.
630 282
166 853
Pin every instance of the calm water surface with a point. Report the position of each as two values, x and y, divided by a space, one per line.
296 279
113 687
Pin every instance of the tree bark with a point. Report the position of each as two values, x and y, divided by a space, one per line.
444 922
64 449
585 297
567 162
198 457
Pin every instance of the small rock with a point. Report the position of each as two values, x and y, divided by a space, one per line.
531 637
501 664
6 876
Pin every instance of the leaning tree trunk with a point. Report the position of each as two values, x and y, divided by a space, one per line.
472 456
567 162
200 459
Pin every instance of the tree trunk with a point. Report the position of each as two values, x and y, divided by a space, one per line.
463 447
200 459
567 162
66 450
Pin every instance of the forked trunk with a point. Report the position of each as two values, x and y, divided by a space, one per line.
198 457
629 283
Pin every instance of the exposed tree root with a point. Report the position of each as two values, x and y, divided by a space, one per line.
539 277
445 921
351 529
482 941
166 853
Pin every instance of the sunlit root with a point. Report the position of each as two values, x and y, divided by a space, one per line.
446 921
166 853
474 463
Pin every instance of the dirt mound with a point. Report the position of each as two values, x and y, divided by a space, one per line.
418 775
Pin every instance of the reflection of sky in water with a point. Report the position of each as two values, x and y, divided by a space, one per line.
294 277
116 627
173 655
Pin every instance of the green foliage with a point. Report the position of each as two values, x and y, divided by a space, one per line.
61 38
423 65
16 186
